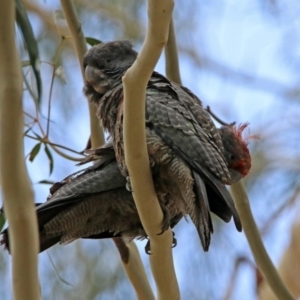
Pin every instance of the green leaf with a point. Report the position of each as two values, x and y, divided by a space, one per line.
45 181
49 155
2 221
91 41
31 43
34 152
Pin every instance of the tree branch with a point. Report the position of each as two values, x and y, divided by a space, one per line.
135 273
171 55
16 187
260 254
136 156
134 269
97 136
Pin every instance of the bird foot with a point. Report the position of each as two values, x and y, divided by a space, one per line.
128 184
174 242
151 161
148 248
4 241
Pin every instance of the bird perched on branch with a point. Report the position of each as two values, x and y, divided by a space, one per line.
92 203
190 159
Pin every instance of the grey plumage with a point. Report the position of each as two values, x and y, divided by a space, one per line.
185 148
190 159
92 203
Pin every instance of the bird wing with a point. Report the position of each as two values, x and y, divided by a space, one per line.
182 123
103 176
174 114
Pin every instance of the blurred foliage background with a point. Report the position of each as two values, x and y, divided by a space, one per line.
242 59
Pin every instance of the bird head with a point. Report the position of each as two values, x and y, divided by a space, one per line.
105 64
236 151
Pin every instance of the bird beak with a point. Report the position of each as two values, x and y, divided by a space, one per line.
96 79
235 176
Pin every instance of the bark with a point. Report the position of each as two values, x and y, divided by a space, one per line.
135 82
16 186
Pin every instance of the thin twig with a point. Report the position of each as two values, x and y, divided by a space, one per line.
34 97
66 156
54 147
58 50
49 102
57 272
208 109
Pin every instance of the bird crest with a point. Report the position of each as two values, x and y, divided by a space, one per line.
239 130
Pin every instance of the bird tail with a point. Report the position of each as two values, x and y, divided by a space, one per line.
202 220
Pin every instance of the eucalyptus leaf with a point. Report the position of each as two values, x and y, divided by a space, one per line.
50 157
31 43
34 152
91 41
45 181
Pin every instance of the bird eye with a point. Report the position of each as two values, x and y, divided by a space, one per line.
108 60
232 157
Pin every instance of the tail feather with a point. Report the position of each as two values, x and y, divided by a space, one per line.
203 221
220 200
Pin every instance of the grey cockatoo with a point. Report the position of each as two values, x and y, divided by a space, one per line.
191 159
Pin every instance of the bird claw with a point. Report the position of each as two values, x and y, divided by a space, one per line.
151 161
128 184
174 242
148 248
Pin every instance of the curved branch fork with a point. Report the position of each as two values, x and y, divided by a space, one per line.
136 156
